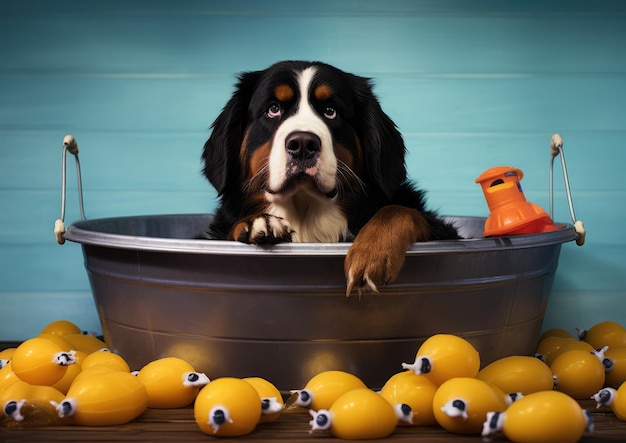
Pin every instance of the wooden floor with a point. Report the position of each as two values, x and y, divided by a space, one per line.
178 425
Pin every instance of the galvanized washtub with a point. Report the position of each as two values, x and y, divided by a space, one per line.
281 312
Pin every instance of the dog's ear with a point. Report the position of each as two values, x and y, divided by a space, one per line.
382 143
221 151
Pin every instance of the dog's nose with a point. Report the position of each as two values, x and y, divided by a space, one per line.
303 145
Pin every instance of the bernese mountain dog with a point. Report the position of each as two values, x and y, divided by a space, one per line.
302 152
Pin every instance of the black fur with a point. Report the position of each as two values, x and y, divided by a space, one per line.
383 177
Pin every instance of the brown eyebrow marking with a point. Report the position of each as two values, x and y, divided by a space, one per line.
323 92
284 93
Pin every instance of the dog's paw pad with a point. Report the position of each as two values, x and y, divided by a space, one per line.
265 229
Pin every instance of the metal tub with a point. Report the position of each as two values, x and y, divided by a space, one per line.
281 312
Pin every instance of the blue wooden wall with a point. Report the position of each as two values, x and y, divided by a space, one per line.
471 84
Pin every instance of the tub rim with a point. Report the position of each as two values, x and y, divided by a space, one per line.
84 233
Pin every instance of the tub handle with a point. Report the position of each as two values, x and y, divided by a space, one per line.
69 145
556 148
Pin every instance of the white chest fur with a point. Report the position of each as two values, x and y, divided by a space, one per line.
314 221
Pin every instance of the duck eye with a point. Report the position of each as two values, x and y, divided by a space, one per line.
330 113
274 110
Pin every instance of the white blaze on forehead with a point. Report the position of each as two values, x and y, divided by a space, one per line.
304 120
313 218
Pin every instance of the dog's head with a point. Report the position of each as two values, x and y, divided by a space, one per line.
304 130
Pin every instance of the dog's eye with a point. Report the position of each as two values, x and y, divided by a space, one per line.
330 112
274 111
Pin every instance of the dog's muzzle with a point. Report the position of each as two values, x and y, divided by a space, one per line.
304 149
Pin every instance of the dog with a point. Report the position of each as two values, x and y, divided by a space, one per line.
303 152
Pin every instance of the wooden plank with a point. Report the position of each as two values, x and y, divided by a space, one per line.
480 105
109 105
595 267
526 104
171 161
321 7
28 312
114 161
30 221
570 308
487 37
449 161
44 267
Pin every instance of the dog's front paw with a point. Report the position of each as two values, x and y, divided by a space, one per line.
263 229
377 255
368 266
